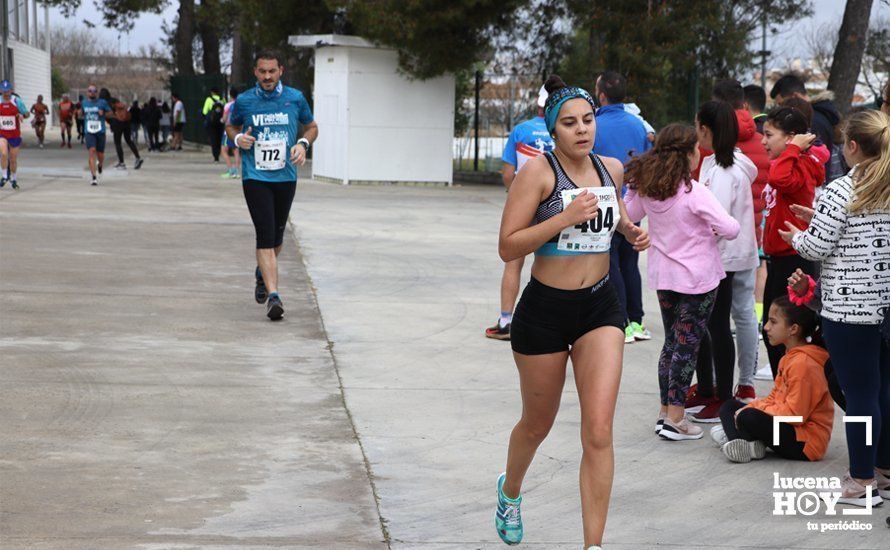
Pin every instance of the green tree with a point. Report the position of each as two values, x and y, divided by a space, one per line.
431 36
58 84
671 51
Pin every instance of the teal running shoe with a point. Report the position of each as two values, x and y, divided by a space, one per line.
507 519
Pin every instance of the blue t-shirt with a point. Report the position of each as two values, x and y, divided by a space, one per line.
528 140
619 134
91 108
273 116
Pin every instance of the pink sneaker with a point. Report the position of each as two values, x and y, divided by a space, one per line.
679 431
857 495
883 484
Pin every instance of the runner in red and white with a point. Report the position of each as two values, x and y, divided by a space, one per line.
12 111
528 140
39 110
66 118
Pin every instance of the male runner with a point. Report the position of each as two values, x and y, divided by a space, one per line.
39 110
66 118
12 111
271 152
95 110
528 140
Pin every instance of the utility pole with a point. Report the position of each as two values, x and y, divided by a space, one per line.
4 35
763 51
476 122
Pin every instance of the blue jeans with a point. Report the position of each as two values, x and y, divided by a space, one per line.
861 359
624 273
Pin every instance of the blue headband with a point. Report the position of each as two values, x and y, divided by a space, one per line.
557 98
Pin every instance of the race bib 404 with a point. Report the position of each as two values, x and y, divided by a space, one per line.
94 126
270 154
594 235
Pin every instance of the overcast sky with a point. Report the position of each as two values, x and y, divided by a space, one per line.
789 44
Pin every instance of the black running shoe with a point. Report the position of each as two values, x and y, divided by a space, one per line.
274 308
138 163
259 293
15 184
100 167
498 332
3 182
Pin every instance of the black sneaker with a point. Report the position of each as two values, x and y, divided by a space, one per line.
274 308
15 184
498 332
100 167
259 293
138 163
3 182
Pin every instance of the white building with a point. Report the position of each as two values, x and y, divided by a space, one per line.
375 124
26 41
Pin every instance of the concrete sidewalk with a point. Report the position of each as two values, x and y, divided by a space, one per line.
147 403
407 278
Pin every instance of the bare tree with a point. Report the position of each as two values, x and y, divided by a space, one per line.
847 58
874 70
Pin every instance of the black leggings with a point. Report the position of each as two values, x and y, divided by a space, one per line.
778 269
214 134
756 425
123 130
717 352
269 204
154 140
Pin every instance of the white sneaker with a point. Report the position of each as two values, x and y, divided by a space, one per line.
680 431
739 450
719 436
764 373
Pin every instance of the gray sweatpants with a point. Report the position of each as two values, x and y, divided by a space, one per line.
745 321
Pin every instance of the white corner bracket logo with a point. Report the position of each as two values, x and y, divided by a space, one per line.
808 496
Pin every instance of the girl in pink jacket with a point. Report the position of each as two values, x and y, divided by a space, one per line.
685 267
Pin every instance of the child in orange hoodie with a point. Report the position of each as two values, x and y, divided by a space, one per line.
800 390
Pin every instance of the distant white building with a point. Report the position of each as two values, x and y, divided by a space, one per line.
26 42
375 124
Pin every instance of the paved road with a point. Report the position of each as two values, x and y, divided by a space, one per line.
146 402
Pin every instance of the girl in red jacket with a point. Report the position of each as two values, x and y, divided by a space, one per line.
794 174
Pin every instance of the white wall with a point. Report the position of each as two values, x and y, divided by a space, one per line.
377 125
331 113
31 74
400 129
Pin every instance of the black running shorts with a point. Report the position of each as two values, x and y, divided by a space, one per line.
550 320
269 204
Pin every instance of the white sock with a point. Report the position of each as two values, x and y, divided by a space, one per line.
12 176
505 319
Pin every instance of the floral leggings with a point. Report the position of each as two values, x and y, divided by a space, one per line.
685 318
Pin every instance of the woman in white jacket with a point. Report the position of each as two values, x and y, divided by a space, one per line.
850 235
728 174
